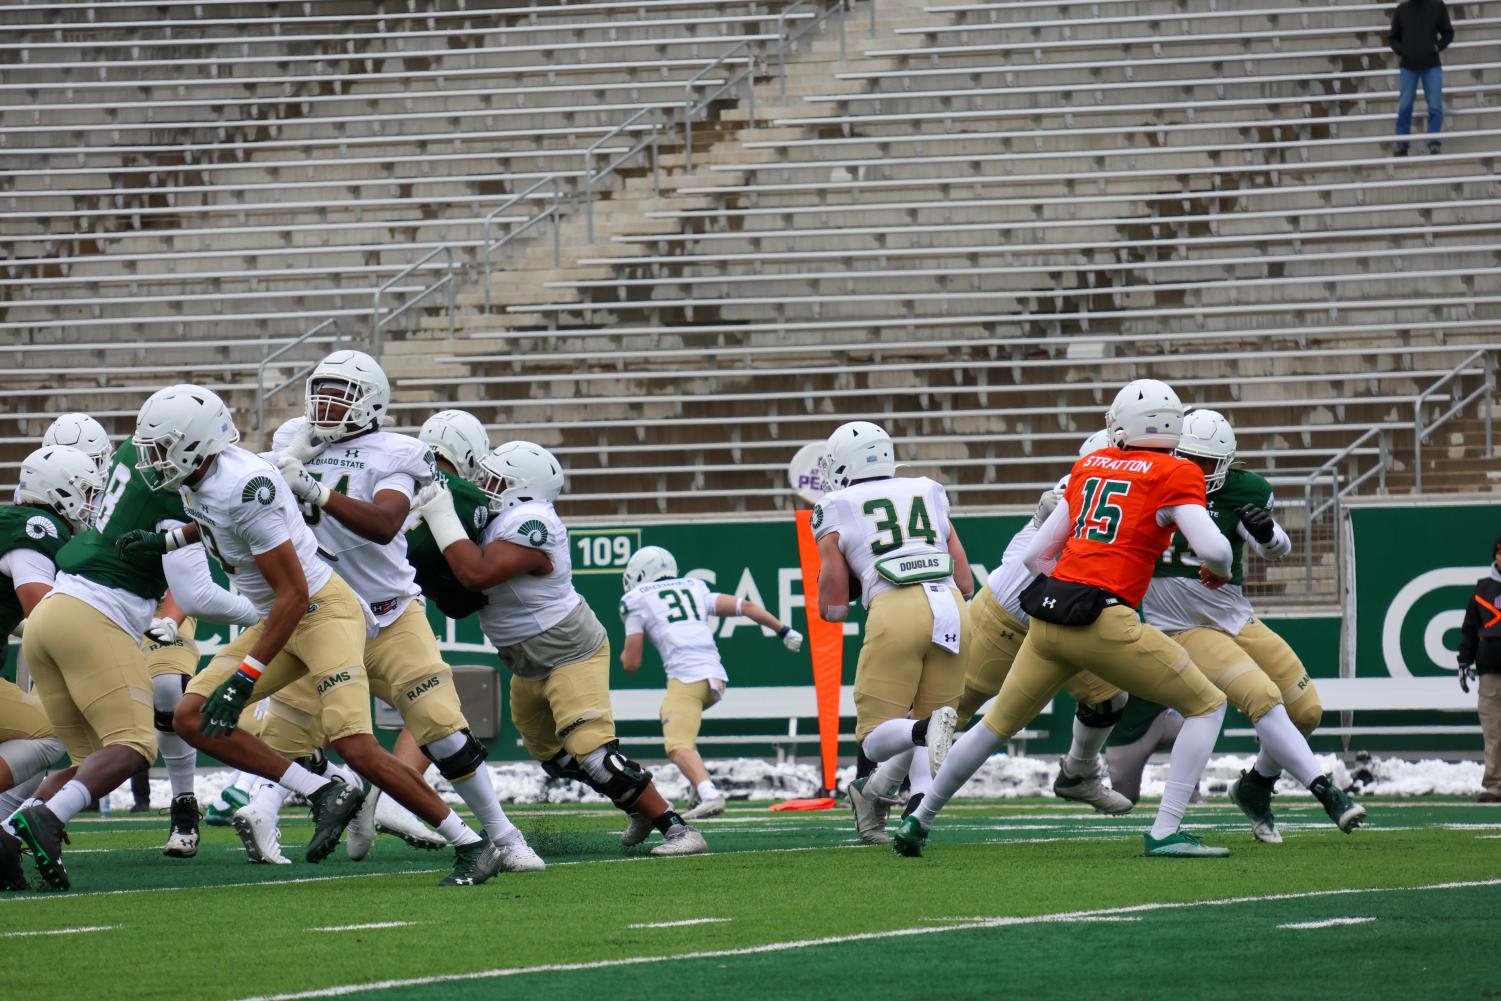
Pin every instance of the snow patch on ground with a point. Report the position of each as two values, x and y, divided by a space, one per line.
1002 777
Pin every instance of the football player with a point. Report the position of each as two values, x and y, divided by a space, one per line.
58 490
673 612
312 624
549 639
84 433
1252 665
357 484
1095 556
894 535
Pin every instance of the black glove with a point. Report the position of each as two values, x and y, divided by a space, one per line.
221 713
139 544
1466 675
1259 522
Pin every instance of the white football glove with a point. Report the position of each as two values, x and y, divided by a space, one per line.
792 640
427 494
303 447
442 520
1045 504
301 481
163 631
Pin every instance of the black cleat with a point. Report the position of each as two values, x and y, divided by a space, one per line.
183 841
334 806
12 876
44 836
473 864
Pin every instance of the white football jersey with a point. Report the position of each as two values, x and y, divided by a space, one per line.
526 606
361 468
1007 581
245 509
674 614
881 519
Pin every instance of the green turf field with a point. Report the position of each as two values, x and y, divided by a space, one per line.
1025 899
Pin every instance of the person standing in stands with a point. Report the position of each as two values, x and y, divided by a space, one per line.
1420 31
1480 653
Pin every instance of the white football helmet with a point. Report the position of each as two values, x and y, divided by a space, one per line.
459 437
65 479
856 451
1146 414
1207 435
647 564
82 432
179 429
1100 439
350 380
519 471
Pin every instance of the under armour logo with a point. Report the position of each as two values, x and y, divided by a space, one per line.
352 453
1049 602
950 638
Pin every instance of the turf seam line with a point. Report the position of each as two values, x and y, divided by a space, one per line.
787 946
680 924
58 931
1326 923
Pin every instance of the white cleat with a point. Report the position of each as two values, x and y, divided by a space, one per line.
708 808
396 820
637 831
260 835
940 736
1090 789
360 834
681 839
870 813
518 856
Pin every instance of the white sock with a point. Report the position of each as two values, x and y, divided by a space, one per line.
17 796
921 772
1191 752
1287 745
892 737
1084 753
344 774
182 762
478 791
886 780
269 797
707 790
456 832
1266 765
69 800
299 779
965 758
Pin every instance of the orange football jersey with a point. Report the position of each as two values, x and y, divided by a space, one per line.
1113 497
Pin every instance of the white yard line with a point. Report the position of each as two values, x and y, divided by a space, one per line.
680 924
808 943
58 931
1327 923
373 924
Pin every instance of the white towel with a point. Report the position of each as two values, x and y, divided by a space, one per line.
945 614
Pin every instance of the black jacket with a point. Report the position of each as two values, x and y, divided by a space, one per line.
1480 635
1420 31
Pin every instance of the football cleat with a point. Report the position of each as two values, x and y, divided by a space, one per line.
1180 844
334 806
517 856
1344 811
870 813
1090 789
473 864
706 808
910 837
681 839
183 841
218 816
44 835
362 828
396 820
260 836
637 831
940 736
1252 792
12 876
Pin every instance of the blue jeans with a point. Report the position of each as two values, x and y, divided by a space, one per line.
1433 93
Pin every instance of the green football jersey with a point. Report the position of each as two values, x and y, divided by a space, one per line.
24 527
434 576
1241 487
1136 719
128 504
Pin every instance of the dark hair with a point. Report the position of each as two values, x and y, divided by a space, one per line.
1496 547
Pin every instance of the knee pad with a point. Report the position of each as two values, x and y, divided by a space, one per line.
317 762
564 766
1100 715
1306 713
457 755
1254 694
615 776
166 692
